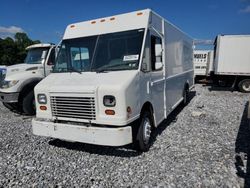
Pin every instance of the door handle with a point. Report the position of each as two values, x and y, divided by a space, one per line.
157 81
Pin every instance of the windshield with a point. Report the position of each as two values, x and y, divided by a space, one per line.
36 55
107 52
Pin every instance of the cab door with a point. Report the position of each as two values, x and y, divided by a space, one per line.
157 78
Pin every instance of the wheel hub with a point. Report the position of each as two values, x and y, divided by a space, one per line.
246 86
147 130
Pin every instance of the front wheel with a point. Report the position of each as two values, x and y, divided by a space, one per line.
9 106
13 107
244 85
29 106
143 138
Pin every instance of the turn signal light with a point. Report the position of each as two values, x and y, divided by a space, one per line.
110 112
43 108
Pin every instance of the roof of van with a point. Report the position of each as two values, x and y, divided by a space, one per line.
121 22
41 45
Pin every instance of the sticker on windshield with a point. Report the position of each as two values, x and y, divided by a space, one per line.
131 57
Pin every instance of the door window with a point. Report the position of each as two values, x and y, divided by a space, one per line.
51 60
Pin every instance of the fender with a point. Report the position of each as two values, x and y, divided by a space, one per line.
29 83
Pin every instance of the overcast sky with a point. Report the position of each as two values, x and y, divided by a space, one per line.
46 20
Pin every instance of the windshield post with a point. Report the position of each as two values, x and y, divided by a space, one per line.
91 62
143 48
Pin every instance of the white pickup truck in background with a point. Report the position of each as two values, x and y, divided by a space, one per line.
17 82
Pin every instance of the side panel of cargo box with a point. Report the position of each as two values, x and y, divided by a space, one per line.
233 55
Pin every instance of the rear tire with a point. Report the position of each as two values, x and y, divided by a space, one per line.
144 135
186 96
29 104
244 85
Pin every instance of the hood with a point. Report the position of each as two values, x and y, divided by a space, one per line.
18 68
2 67
86 82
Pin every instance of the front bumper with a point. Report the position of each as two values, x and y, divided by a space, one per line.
9 97
91 135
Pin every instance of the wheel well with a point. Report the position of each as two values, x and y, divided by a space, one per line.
186 86
147 106
240 78
26 89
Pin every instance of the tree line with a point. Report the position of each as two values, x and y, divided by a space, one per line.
12 51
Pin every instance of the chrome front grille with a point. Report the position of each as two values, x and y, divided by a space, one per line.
73 107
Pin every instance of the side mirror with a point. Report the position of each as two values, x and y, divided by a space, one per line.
158 65
158 56
158 50
44 54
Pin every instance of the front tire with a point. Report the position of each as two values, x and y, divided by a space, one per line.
144 135
29 107
14 107
244 85
9 106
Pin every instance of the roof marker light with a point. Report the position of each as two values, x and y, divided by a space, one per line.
103 20
112 18
139 13
72 26
93 22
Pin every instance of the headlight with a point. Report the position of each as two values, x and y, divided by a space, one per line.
42 99
9 83
109 101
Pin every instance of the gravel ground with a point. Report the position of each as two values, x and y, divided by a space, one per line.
205 144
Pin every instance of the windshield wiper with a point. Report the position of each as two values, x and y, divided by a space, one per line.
101 70
74 70
111 67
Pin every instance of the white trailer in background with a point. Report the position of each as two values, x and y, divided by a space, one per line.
232 61
210 63
200 63
115 79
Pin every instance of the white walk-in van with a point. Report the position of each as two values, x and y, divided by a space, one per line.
115 79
